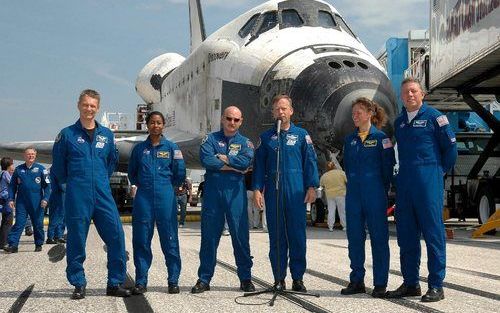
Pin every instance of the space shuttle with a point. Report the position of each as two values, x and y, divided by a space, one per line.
303 48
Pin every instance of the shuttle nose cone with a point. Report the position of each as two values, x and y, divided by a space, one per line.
323 94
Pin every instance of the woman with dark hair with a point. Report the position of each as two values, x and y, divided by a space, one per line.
368 162
156 166
7 215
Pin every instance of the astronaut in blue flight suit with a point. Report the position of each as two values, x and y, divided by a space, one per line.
427 150
84 157
29 192
368 162
226 155
298 180
55 231
156 167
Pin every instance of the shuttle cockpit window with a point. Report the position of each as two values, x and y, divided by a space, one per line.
269 21
344 26
290 18
247 28
326 19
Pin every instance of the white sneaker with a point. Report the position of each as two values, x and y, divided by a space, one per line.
330 229
225 232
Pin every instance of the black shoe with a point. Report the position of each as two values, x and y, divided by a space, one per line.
28 233
51 241
117 291
38 248
10 249
405 291
139 290
173 288
78 293
379 292
279 285
200 287
60 240
433 295
353 288
298 285
247 286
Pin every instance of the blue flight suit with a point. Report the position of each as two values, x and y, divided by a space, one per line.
426 150
155 170
298 172
85 164
56 209
28 187
225 195
369 166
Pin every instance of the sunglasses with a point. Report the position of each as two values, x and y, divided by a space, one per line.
232 119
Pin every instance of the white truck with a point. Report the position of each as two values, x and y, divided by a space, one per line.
461 71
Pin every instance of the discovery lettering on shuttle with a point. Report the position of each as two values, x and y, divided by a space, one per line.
466 13
214 56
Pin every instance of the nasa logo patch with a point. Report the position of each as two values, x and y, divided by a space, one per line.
80 140
146 151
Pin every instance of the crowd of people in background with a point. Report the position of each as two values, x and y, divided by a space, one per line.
244 187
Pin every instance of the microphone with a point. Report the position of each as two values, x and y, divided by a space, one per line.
278 126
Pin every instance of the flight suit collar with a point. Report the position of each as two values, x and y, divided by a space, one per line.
162 142
222 135
98 127
421 111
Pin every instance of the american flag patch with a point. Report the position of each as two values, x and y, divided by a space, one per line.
309 140
386 143
250 144
442 120
178 155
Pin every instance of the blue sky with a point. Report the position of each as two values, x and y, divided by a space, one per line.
52 49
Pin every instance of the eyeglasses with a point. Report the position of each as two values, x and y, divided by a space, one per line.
232 119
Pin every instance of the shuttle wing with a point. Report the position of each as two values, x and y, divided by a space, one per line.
188 143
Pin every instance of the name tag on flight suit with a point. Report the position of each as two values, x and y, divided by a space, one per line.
370 143
420 123
291 140
234 149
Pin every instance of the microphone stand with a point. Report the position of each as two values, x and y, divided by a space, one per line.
279 288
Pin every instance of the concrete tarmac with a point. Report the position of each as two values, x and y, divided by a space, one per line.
36 282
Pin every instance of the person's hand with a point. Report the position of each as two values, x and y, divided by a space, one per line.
310 195
43 204
223 158
258 199
133 191
12 205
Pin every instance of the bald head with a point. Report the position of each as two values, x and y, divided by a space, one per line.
231 120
